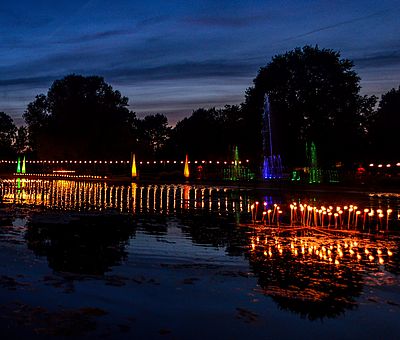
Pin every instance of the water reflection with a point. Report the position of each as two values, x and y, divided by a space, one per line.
88 245
313 272
318 275
99 196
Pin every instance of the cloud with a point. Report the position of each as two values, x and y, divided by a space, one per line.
31 81
185 70
84 38
382 59
228 21
346 22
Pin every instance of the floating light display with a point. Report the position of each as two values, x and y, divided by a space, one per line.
133 167
186 172
19 166
23 166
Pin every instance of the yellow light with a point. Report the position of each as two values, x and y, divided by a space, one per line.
133 169
186 172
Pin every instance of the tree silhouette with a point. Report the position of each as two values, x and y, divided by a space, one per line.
153 133
81 117
384 127
207 133
314 97
8 132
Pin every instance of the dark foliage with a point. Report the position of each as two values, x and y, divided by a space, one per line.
81 117
314 97
385 126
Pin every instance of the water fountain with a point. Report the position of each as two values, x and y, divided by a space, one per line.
19 166
24 166
133 168
237 171
272 164
314 171
186 172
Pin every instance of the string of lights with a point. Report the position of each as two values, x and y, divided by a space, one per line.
163 162
381 165
371 165
59 175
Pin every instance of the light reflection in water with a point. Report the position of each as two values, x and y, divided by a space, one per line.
314 272
133 198
320 274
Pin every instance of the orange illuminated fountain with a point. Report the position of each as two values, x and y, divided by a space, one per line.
133 168
186 172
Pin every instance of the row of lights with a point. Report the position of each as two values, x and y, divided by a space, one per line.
62 175
121 162
381 165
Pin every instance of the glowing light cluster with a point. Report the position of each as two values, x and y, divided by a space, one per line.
62 174
381 165
63 171
119 162
347 216
321 248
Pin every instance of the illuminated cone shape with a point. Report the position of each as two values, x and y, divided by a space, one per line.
186 172
134 171
19 166
24 166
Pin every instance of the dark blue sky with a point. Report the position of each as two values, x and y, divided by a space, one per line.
175 56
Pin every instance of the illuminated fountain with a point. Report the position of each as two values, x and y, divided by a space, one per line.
24 166
272 164
133 168
19 166
314 170
186 172
237 171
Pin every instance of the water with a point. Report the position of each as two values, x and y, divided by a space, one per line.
97 260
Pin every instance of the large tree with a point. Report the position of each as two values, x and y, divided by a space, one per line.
153 133
8 132
384 127
80 117
207 133
314 97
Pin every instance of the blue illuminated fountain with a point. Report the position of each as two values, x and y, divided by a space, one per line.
272 164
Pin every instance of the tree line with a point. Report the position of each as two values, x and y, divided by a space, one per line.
314 97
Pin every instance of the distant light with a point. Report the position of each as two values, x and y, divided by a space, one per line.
372 164
380 166
388 165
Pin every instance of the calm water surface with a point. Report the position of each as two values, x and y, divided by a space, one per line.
178 261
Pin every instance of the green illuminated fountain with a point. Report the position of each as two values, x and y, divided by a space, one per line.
314 170
236 171
19 166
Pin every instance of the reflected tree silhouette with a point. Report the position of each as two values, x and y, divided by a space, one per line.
88 244
311 289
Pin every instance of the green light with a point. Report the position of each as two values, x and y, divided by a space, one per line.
315 173
19 166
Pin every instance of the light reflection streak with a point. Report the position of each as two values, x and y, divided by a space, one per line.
99 196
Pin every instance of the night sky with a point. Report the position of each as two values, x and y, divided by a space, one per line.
173 57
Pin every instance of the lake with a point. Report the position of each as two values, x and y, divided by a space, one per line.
112 260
